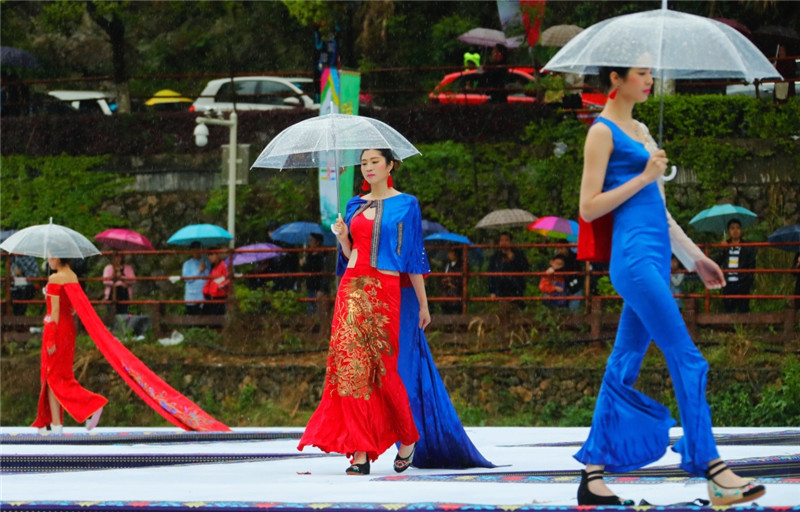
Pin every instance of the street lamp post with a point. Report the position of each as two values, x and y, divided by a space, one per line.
201 139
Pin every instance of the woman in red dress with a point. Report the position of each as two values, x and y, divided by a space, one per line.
364 407
60 390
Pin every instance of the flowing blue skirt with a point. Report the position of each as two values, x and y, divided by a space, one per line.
443 443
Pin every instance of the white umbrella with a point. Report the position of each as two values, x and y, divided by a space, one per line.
489 37
507 218
49 241
337 139
673 44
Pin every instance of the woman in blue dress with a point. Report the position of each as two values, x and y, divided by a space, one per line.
622 174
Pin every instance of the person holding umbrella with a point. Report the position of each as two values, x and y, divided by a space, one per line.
365 408
733 258
119 277
622 173
196 266
60 390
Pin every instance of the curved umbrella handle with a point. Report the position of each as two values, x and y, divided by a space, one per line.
672 173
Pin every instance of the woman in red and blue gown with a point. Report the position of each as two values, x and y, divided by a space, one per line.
364 407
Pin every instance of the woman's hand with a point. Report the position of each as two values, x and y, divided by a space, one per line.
424 317
655 166
341 230
710 273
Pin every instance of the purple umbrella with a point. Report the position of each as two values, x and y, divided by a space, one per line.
270 251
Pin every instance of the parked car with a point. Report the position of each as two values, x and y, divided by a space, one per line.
256 93
463 88
87 102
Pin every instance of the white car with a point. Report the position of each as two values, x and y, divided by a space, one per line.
88 102
256 93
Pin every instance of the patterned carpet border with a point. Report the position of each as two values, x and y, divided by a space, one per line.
36 463
221 506
783 437
146 437
784 469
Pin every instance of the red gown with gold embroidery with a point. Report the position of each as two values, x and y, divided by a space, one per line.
56 370
364 404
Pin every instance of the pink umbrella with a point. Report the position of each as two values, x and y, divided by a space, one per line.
556 227
124 240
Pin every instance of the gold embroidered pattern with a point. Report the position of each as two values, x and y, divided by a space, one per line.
355 359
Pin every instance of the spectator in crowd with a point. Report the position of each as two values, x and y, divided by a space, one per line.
472 61
507 259
574 283
451 285
23 268
196 266
552 285
496 75
118 278
787 68
737 257
676 281
314 261
217 285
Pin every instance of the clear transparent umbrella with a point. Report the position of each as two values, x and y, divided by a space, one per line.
674 44
332 140
49 241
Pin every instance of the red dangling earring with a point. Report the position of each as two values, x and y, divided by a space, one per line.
389 182
365 186
613 94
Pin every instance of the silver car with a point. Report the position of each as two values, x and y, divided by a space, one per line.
255 93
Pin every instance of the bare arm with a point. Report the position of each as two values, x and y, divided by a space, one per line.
595 203
418 282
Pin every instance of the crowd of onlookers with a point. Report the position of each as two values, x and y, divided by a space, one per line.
207 277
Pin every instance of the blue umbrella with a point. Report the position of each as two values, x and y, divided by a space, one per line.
448 237
717 217
475 255
296 233
786 234
206 234
430 227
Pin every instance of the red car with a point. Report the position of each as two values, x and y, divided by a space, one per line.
464 88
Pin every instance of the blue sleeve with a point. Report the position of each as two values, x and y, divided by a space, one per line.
416 259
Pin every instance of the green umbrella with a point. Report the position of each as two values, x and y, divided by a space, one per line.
717 217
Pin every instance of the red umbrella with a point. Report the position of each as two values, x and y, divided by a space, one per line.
124 240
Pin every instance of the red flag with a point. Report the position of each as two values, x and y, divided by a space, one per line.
532 14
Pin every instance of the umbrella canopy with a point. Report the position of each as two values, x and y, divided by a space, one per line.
332 141
296 233
49 241
124 240
508 218
430 227
336 139
270 251
205 234
167 96
717 217
678 44
776 34
741 27
10 56
448 237
559 35
6 233
786 234
489 37
555 227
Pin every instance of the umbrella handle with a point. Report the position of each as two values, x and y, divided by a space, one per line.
333 229
672 173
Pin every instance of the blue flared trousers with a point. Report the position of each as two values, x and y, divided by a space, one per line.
629 429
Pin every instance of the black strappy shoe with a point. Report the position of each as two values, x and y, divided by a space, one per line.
587 497
403 463
720 495
358 469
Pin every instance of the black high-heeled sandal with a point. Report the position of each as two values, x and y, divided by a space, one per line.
587 497
358 469
720 495
403 463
